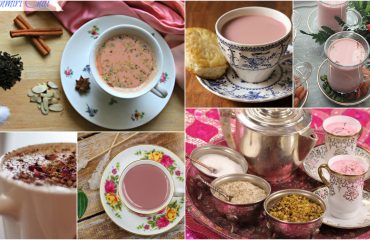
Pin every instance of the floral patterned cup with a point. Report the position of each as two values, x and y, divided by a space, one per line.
339 144
173 191
345 191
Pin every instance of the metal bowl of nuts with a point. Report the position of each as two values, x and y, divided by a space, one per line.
247 193
294 213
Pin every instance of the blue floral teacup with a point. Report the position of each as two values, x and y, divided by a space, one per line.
254 63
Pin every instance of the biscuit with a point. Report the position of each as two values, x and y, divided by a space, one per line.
203 55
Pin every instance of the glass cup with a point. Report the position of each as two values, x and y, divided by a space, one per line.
346 78
328 10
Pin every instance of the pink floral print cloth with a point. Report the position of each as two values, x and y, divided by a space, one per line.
203 126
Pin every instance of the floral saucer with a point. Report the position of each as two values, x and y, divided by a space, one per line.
317 157
312 21
122 216
231 87
361 220
335 97
97 106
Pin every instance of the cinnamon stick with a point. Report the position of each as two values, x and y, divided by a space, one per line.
36 32
40 44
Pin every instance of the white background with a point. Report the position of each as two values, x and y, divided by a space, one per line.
11 141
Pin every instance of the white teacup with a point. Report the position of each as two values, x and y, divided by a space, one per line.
345 191
339 144
37 211
253 63
174 192
151 85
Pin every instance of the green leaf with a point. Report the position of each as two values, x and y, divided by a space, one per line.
83 201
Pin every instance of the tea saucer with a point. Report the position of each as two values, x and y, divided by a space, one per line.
317 157
231 87
312 20
97 106
361 220
335 97
120 214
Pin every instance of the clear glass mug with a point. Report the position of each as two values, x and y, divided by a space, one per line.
328 10
346 78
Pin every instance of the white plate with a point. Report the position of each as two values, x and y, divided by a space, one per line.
317 157
361 220
116 210
231 87
97 106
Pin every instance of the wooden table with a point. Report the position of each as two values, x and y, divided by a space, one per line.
95 223
26 116
205 14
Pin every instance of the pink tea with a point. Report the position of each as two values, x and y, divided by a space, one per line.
348 167
254 29
146 187
347 55
341 129
126 62
328 10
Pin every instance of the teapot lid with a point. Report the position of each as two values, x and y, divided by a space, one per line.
275 121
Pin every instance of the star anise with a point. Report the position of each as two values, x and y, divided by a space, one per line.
83 85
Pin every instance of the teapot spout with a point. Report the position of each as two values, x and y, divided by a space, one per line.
306 142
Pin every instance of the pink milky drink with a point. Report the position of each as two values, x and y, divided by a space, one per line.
341 135
261 29
347 52
146 187
345 176
348 167
328 10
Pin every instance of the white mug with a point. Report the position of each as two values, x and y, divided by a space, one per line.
339 144
253 63
152 85
174 191
345 191
31 211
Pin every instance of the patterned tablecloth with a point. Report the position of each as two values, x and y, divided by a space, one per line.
203 126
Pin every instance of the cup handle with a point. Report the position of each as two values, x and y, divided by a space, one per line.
7 207
357 15
320 170
159 91
303 70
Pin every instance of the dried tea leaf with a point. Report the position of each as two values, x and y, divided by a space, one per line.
39 88
56 107
52 85
39 100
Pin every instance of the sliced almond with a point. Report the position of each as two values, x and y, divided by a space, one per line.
52 85
56 107
39 88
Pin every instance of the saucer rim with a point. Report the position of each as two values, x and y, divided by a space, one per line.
339 226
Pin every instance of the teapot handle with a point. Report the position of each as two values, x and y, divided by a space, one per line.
226 115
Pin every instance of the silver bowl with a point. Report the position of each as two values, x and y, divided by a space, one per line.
291 229
220 150
240 213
